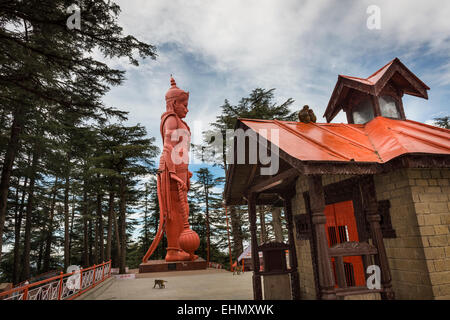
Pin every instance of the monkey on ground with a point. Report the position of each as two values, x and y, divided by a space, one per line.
307 115
160 283
237 269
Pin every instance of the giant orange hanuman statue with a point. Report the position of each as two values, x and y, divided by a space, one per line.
174 181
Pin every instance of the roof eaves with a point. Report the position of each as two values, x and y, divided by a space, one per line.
333 99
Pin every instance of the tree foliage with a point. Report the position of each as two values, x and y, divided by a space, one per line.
70 168
259 104
443 122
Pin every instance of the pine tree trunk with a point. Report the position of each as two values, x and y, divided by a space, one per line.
66 224
8 161
276 222
85 229
90 242
17 223
146 240
29 212
101 245
236 231
85 243
71 228
262 224
40 253
122 225
118 242
208 228
96 240
17 228
48 240
110 225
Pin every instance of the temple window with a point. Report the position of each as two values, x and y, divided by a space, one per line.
363 112
388 107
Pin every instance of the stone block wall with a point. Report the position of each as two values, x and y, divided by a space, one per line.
303 247
410 279
419 257
431 197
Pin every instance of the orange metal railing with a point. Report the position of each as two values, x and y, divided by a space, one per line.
62 287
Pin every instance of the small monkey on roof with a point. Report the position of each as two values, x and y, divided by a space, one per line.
306 115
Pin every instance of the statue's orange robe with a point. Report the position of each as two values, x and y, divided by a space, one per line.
174 209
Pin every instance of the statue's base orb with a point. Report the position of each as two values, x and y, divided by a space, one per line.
189 242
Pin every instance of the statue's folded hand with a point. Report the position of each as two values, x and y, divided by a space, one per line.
183 186
180 182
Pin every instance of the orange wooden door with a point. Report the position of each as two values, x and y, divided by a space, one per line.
341 227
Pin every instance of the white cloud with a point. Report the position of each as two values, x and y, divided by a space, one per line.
221 49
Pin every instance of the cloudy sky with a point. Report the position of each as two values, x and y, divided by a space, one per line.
222 49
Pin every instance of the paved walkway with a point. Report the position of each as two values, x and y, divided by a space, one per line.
207 284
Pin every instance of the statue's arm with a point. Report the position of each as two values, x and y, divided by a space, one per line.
170 126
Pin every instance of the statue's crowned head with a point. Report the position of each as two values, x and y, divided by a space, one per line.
177 99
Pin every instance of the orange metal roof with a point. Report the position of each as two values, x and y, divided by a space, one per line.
371 80
379 140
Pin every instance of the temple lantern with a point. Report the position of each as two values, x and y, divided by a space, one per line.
378 95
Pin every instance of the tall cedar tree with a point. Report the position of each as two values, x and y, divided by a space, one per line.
128 155
206 195
47 68
259 104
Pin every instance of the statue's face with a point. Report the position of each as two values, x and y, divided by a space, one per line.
181 107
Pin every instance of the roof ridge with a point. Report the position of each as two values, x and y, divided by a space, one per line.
393 134
430 127
373 74
256 120
353 128
383 67
343 137
353 77
357 78
429 142
297 133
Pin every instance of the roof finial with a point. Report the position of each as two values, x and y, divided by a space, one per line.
172 81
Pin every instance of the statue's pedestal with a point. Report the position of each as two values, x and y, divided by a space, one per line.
163 266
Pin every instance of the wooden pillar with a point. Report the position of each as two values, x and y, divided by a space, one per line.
376 106
295 284
371 210
317 203
349 115
400 108
257 288
348 110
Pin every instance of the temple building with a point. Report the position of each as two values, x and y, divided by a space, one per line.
366 198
